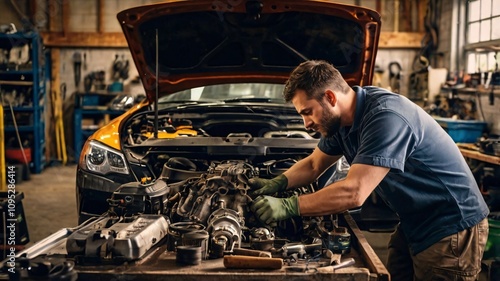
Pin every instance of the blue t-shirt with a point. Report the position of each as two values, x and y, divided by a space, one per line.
429 185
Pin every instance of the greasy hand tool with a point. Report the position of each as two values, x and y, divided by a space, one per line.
395 73
246 262
77 64
298 248
334 258
332 268
250 252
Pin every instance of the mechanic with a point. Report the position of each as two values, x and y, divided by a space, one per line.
397 149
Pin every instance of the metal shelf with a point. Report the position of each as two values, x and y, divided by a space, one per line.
34 78
98 111
16 83
17 72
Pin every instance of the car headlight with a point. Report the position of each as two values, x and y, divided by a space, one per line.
103 159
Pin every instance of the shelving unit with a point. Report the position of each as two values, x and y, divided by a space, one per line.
23 86
91 106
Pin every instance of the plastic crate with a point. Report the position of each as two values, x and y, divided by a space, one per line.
464 131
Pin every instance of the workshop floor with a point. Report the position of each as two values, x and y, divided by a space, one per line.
49 205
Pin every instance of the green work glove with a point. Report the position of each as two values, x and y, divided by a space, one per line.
270 209
268 187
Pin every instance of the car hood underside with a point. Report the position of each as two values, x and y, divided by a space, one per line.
206 42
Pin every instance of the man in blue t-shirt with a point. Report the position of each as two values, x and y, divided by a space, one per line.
396 149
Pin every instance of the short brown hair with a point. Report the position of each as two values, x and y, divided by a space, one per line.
313 76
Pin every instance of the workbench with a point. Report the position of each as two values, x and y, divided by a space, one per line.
470 150
159 264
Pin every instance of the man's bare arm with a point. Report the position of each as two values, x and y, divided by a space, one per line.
342 195
309 169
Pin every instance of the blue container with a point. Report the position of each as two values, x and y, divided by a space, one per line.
464 131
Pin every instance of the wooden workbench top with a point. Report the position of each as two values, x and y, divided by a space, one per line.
470 150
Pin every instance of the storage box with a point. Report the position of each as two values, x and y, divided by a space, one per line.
465 131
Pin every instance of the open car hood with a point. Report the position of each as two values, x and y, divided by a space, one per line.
207 42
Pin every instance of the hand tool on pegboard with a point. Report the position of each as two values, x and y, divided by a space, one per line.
395 76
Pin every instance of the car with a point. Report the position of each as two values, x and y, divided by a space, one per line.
213 73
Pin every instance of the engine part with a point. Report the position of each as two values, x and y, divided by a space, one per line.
178 229
124 239
178 169
76 244
300 249
261 239
336 239
197 238
191 255
134 239
224 226
224 182
135 198
39 268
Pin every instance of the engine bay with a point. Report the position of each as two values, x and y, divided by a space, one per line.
214 206
206 134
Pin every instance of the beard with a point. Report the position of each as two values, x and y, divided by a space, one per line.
330 123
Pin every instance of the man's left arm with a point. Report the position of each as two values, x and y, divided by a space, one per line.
345 194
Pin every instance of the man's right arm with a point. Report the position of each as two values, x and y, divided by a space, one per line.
309 169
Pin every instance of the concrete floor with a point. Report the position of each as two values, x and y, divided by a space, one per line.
49 201
50 205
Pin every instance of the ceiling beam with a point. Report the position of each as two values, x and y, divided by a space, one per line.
400 40
84 39
388 40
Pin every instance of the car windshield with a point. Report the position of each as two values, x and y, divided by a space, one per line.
244 92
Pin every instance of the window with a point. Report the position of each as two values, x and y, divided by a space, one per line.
483 35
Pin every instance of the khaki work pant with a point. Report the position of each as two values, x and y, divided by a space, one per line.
456 257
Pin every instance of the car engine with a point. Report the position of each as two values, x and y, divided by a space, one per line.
210 210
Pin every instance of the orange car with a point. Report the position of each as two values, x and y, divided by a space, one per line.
214 75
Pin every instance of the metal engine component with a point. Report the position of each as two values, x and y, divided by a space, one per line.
224 226
261 239
336 239
134 239
178 229
224 182
135 198
128 240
